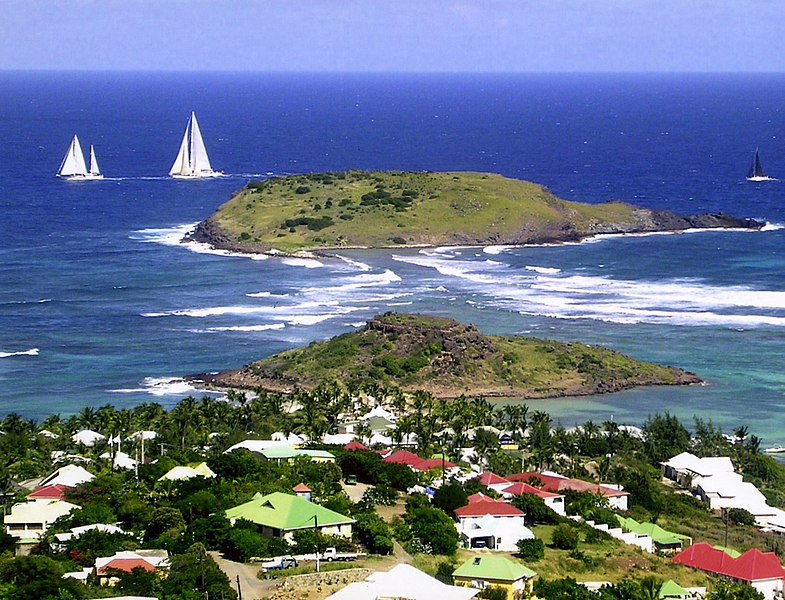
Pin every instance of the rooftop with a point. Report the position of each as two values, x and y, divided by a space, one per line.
498 568
286 512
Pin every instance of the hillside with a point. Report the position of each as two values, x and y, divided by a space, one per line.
448 358
387 209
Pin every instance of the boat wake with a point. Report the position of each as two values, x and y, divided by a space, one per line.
30 352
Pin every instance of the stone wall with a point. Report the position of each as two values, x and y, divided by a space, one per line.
317 586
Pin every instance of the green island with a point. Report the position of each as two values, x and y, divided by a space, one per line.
448 358
357 209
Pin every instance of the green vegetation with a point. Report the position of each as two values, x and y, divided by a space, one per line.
381 209
448 359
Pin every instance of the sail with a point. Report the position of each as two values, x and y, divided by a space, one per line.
756 169
182 165
73 163
200 163
94 168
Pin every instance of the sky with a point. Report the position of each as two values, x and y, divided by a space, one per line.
394 35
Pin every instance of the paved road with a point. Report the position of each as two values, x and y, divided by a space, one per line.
251 587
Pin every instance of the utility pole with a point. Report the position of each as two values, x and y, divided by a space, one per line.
315 541
239 591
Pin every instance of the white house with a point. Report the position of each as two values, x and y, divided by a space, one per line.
87 437
32 519
493 524
685 468
403 582
69 476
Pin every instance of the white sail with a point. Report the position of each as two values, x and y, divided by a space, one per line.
192 160
200 163
73 164
182 166
94 168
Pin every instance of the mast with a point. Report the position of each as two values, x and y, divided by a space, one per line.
200 162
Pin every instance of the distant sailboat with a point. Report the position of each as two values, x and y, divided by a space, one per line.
73 166
192 161
756 170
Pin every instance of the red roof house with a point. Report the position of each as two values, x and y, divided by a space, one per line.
355 446
432 463
520 488
556 484
478 497
492 480
49 492
126 565
761 570
403 457
488 506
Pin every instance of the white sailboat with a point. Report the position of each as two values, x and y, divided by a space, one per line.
756 170
73 167
192 161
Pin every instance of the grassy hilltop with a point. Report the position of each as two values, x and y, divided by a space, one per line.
448 359
387 209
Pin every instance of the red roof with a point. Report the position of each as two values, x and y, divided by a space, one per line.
488 479
488 507
480 496
354 446
551 483
431 463
301 487
49 492
753 565
520 488
402 457
126 565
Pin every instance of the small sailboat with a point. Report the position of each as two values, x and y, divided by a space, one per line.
756 170
192 161
73 167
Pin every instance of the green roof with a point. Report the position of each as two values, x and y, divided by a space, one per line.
729 551
658 534
286 512
671 589
497 568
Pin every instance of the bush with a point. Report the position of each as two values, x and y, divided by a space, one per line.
381 494
373 533
565 537
531 550
535 509
429 528
493 592
740 516
303 189
450 496
444 571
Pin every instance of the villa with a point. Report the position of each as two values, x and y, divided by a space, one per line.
482 572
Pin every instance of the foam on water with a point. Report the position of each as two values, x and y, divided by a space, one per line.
161 386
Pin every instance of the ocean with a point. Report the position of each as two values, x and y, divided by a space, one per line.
101 303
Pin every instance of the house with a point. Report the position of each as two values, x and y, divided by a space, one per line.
355 446
493 524
402 582
152 561
87 437
257 445
553 482
729 490
69 476
288 454
493 481
481 572
662 540
61 539
48 492
684 468
188 472
552 500
761 570
31 519
280 515
303 491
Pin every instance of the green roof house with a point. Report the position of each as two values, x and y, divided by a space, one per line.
662 539
495 571
288 454
671 589
280 515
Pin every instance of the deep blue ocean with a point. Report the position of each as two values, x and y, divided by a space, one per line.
100 303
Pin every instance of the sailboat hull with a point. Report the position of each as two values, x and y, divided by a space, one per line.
764 178
202 175
88 177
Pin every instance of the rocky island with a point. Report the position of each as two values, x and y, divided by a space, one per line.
448 358
391 209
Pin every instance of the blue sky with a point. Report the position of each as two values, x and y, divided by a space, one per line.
394 35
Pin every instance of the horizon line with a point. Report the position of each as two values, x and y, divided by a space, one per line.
375 72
